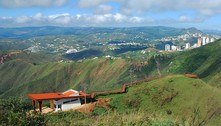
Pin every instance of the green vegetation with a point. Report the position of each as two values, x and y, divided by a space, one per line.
20 76
14 112
186 99
168 101
203 61
110 118
30 72
172 99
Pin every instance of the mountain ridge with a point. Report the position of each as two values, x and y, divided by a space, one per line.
28 32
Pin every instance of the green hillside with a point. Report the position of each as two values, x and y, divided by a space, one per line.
204 61
167 101
18 76
30 72
175 97
170 100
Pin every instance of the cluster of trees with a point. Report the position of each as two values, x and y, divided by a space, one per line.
15 112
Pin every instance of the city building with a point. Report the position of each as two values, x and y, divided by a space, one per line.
195 45
187 46
71 51
212 40
167 47
207 40
173 47
179 48
203 40
199 42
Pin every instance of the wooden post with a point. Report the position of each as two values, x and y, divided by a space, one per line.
40 106
52 104
33 103
85 101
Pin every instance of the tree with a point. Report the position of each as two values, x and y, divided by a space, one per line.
14 112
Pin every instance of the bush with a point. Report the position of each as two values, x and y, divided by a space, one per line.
99 111
133 103
14 112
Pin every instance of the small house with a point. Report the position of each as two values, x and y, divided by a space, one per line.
67 104
60 101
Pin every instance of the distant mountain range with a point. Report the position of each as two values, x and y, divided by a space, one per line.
213 32
150 31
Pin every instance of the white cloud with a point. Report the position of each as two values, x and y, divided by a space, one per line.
90 3
38 17
54 16
65 19
60 19
136 19
22 19
203 7
119 17
103 9
31 3
59 2
186 19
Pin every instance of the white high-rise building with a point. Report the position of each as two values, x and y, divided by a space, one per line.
212 40
178 48
167 47
207 40
173 47
187 46
199 42
195 45
203 40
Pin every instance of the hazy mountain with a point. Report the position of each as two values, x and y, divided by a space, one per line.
150 32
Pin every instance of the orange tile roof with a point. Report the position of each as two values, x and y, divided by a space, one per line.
70 92
54 96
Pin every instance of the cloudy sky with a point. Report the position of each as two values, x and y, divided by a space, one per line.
203 14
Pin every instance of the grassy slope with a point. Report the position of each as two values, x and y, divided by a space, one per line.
204 61
149 103
19 77
176 94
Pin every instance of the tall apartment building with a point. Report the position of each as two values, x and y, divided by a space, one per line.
187 46
203 40
167 47
199 42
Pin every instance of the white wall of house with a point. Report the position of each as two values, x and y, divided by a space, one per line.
67 104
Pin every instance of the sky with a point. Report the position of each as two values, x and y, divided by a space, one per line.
202 14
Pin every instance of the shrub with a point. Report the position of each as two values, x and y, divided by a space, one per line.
99 111
14 112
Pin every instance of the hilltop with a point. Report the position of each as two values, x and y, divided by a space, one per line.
175 96
171 100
